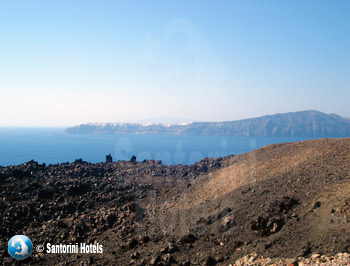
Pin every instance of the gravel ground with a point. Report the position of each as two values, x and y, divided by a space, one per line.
341 259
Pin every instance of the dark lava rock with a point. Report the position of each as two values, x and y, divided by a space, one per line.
209 261
156 260
79 161
133 159
135 256
109 158
190 238
133 243
227 223
78 190
111 219
170 248
45 194
19 174
266 226
145 239
186 263
306 250
274 219
283 205
169 259
315 205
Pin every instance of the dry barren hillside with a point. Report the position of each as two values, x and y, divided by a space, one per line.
284 200
315 161
288 199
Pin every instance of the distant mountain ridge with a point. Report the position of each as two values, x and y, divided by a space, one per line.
310 123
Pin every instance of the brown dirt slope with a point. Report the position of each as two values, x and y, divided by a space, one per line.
315 158
287 200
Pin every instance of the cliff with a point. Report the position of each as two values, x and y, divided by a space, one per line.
295 124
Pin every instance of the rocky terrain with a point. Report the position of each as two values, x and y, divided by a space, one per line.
312 123
287 201
340 259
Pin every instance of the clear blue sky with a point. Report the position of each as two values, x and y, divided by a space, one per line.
72 62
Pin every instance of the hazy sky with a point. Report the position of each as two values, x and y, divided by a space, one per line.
70 62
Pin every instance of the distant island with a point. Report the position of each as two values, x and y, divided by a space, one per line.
294 124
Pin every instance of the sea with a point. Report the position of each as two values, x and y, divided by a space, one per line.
52 146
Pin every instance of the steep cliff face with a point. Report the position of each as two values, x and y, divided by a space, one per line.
296 124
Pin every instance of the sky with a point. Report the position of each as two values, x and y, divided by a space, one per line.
64 62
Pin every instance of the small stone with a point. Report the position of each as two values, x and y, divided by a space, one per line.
170 248
315 256
133 243
190 238
133 159
155 260
135 255
145 239
109 158
210 261
169 259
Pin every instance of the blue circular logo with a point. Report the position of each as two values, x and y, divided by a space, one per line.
20 247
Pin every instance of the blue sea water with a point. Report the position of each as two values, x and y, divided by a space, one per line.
51 146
